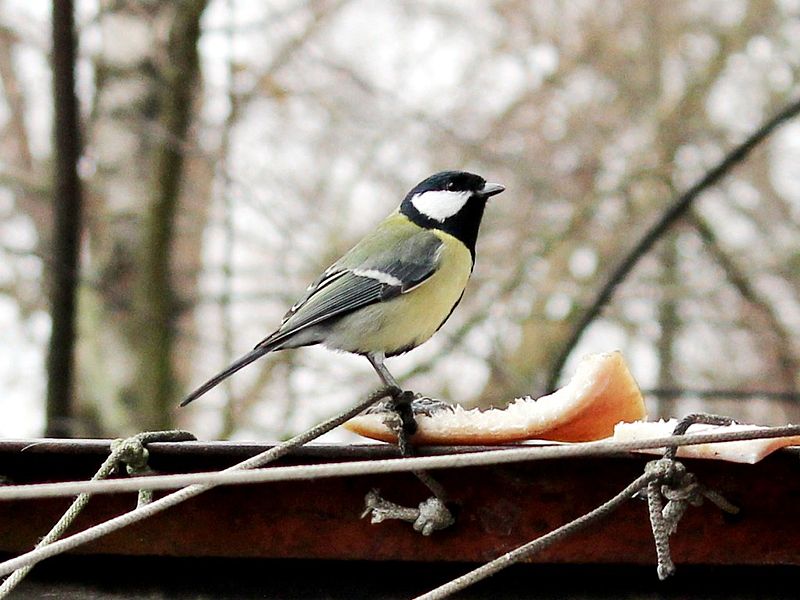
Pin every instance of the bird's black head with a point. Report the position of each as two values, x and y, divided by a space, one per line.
452 201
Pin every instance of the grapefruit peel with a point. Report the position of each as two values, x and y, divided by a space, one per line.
601 394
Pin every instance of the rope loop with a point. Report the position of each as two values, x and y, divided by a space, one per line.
431 515
670 480
132 452
128 451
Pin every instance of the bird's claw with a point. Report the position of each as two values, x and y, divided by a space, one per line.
425 405
400 407
420 405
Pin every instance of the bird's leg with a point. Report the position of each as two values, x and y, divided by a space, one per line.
376 360
400 403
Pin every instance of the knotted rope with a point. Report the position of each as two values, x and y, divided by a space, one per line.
131 452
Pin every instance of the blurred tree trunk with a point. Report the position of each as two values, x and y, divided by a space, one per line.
669 324
156 299
65 250
147 82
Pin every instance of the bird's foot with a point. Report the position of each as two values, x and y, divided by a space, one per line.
424 405
400 410
420 405
397 405
400 407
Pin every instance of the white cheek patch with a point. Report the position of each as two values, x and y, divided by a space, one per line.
440 205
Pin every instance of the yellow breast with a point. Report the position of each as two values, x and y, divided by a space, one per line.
410 319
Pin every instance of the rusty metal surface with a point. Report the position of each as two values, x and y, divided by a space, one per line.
498 509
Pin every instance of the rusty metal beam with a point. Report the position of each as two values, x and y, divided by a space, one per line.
498 509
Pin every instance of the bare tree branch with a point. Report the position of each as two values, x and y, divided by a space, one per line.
19 172
789 363
670 216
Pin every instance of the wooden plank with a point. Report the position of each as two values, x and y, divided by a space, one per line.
498 508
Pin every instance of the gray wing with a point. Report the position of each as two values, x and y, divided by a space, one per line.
343 289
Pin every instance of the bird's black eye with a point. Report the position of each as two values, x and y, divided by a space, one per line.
451 185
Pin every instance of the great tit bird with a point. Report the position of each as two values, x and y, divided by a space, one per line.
396 287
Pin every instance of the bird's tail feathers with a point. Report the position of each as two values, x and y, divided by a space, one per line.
257 352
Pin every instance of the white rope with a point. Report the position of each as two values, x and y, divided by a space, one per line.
142 512
131 452
235 476
663 478
520 553
231 475
60 527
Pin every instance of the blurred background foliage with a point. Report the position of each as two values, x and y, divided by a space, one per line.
233 149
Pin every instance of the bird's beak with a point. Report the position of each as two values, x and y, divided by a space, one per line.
490 189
